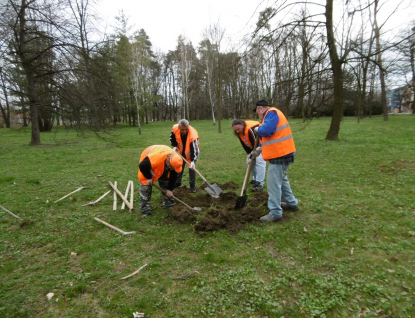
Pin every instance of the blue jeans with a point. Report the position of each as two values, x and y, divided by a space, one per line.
278 186
258 169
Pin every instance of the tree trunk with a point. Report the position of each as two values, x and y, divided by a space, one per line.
336 64
381 70
25 59
5 110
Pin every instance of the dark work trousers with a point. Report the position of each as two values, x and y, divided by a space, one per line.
145 195
192 177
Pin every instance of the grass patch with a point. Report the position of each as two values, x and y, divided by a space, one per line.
348 251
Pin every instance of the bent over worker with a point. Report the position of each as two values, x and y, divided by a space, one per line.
185 140
158 163
244 130
277 147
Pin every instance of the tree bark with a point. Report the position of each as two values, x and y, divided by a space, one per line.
380 66
5 110
336 64
21 37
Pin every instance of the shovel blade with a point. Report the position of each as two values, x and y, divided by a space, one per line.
213 190
240 202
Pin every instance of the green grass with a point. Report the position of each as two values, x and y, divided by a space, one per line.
348 251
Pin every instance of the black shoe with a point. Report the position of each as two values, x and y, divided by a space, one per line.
169 206
287 207
192 189
253 182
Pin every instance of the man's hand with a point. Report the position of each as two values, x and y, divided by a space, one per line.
169 193
256 153
256 129
175 149
248 159
192 165
149 182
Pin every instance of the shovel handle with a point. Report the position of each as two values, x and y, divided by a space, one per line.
185 160
197 171
248 171
177 199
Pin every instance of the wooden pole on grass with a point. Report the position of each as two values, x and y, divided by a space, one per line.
114 228
121 196
126 194
12 214
114 206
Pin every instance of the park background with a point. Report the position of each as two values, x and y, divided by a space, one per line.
348 251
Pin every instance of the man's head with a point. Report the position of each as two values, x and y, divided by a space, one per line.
183 126
238 126
174 162
261 107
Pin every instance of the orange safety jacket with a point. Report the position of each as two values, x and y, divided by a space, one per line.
245 137
281 143
192 136
157 155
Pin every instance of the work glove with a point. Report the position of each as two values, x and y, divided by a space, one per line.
149 182
256 130
248 159
192 165
256 152
175 149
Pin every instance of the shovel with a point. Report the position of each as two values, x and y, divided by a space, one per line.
212 189
241 200
178 200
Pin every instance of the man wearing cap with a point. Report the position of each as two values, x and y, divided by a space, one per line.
244 130
185 140
277 147
160 163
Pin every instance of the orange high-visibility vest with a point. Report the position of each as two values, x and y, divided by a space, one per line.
157 155
281 143
245 136
192 135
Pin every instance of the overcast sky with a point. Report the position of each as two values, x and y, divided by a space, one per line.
165 20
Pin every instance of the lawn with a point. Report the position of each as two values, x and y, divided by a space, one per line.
348 252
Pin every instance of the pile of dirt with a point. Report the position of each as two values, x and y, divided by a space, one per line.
218 213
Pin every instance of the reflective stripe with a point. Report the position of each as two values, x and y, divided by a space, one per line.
246 142
282 127
149 150
274 141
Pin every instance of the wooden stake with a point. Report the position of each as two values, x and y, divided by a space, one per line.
136 272
121 196
126 195
97 200
114 206
132 194
114 228
12 214
79 189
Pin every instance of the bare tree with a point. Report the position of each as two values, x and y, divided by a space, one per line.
4 108
184 56
211 49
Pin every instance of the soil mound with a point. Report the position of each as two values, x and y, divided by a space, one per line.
218 213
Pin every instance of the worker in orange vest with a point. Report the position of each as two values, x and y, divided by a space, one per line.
185 140
158 163
244 130
277 147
